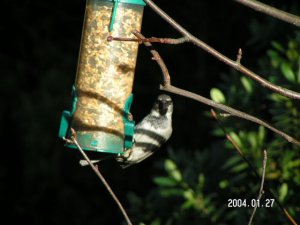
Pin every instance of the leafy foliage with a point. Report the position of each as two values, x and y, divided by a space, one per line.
195 185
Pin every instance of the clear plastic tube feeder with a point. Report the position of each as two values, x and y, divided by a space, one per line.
105 73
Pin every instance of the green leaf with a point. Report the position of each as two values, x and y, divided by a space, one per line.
261 134
247 84
155 222
278 98
172 170
283 192
176 175
170 165
278 46
239 168
236 138
292 44
287 72
165 181
168 192
218 132
252 138
189 194
217 95
298 72
201 180
274 57
188 204
223 184
297 178
232 161
292 164
292 54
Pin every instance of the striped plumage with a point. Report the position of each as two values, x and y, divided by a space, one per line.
153 131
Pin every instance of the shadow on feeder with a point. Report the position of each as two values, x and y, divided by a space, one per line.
91 136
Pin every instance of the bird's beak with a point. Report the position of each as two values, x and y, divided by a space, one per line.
163 107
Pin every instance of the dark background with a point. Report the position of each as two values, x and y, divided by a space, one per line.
41 182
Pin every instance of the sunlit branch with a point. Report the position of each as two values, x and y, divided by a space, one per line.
271 11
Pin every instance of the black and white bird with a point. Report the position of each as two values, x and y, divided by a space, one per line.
149 134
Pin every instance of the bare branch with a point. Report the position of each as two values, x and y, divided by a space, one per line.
98 173
237 66
157 58
261 191
271 11
229 110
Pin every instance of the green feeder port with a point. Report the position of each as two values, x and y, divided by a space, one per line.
105 73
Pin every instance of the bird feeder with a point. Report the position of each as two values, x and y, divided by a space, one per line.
103 85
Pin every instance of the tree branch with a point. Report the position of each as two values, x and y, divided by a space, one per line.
188 37
229 110
98 173
271 11
261 190
157 58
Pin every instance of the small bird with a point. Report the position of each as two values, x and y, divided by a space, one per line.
149 134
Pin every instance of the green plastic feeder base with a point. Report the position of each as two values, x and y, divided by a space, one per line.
108 143
99 141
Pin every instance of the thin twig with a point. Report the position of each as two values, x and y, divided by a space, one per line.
171 41
239 56
157 58
261 190
214 115
232 63
271 11
98 173
240 152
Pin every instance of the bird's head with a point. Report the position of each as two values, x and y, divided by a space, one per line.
163 105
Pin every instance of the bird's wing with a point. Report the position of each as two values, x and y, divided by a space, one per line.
147 136
146 141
